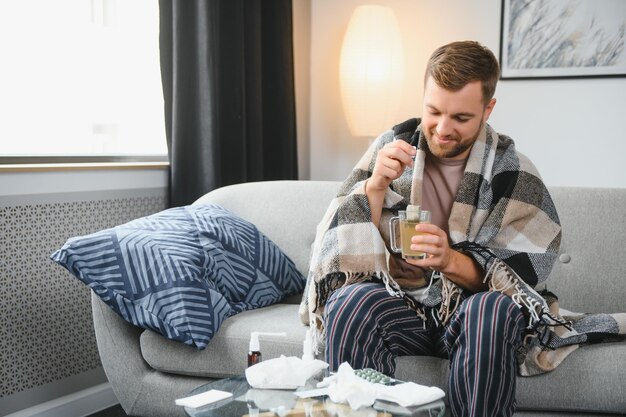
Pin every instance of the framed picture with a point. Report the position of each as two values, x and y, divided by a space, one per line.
563 38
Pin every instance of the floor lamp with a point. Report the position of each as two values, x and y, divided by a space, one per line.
371 70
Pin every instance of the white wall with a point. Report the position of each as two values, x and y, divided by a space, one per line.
571 129
57 182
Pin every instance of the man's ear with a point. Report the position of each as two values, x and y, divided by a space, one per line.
488 109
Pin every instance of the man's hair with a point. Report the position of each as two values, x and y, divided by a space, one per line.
456 64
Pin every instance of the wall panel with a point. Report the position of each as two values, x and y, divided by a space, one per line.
46 332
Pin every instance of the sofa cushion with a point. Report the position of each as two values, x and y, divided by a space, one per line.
589 380
227 353
182 271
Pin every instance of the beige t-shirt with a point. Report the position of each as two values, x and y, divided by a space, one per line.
441 181
440 184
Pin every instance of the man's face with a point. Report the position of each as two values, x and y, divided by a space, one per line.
452 120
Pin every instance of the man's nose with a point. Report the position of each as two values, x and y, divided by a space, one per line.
444 127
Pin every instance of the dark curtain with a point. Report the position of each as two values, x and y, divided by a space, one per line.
228 85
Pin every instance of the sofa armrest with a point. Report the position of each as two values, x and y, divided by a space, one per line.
141 390
120 354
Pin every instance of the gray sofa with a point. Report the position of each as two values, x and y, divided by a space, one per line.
147 372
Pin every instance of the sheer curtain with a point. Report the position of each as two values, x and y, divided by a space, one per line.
227 72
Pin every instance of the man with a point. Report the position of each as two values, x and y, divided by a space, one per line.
494 234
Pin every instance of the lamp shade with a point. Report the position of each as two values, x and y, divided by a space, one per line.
371 70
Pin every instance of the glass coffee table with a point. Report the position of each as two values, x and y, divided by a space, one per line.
249 402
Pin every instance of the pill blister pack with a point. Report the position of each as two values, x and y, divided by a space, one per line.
374 376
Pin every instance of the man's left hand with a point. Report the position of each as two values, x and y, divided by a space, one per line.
433 241
456 266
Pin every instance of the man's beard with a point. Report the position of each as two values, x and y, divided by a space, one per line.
460 146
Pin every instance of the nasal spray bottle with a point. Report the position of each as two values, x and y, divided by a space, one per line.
307 347
254 354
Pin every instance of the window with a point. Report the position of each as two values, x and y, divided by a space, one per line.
80 78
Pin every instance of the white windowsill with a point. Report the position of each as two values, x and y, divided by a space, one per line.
86 166
81 177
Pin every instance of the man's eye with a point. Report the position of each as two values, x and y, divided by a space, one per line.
461 119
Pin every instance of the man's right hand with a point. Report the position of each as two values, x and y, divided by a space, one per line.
390 163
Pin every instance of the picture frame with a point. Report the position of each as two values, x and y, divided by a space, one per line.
562 39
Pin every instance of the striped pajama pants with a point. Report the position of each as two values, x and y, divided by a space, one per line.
368 328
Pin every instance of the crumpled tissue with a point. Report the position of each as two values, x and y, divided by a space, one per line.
283 373
346 387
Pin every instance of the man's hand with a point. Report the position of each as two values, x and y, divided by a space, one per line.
433 241
460 268
390 163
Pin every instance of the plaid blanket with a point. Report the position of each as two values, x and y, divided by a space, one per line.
502 216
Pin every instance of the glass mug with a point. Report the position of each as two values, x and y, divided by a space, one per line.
407 231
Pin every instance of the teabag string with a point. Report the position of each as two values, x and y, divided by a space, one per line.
416 178
407 131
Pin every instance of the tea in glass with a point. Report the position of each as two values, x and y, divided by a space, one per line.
407 220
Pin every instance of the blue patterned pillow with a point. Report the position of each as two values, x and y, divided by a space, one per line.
182 271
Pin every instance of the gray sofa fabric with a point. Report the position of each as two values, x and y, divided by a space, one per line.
147 372
226 355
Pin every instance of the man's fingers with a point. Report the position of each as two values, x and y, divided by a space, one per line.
391 161
399 153
406 146
393 166
430 229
